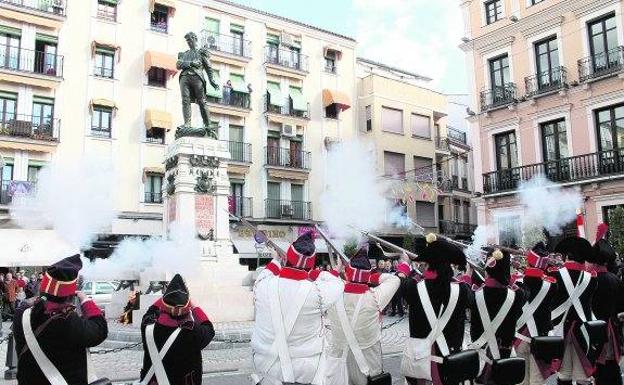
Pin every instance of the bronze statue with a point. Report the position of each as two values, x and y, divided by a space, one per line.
192 64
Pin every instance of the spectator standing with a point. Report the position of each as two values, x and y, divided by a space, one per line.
11 287
32 287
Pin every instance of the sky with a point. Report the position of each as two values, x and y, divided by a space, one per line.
416 35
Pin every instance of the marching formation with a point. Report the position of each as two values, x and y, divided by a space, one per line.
499 326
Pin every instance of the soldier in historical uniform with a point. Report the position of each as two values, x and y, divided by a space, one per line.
174 332
192 64
62 334
606 306
288 336
355 350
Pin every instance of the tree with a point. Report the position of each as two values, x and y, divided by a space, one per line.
408 242
350 247
616 229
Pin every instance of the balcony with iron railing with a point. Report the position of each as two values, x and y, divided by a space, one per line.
287 209
574 169
232 98
54 7
286 109
442 144
239 151
9 189
30 61
498 96
229 44
545 82
288 158
451 228
153 197
601 65
30 127
456 135
240 206
286 58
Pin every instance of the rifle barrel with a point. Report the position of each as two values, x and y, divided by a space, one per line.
269 242
331 244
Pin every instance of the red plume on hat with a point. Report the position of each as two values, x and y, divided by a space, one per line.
61 278
359 268
538 256
301 253
601 231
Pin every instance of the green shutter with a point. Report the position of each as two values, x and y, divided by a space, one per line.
237 28
10 30
8 95
237 181
8 160
46 38
273 134
298 101
43 100
105 50
297 138
276 94
238 83
212 25
273 39
296 44
111 2
211 91
37 163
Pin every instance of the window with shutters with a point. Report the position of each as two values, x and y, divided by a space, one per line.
509 231
425 214
423 168
421 126
394 164
392 120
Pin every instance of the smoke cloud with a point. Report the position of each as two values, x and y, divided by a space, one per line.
354 195
481 237
73 198
180 253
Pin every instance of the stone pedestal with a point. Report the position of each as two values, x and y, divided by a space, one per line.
197 191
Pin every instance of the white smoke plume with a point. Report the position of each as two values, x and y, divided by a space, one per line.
482 236
72 197
548 205
354 195
180 253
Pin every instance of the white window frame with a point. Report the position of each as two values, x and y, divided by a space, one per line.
484 13
596 15
540 37
591 120
537 134
492 145
486 65
607 200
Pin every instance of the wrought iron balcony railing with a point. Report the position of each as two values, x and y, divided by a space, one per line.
547 81
464 184
232 98
286 109
456 228
603 64
231 44
240 206
240 152
456 135
9 189
153 197
30 127
56 7
286 157
286 209
26 60
286 58
565 170
442 144
498 96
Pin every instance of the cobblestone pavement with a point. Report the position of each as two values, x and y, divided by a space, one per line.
224 363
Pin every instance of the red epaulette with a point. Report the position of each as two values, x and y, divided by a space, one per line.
374 279
273 268
548 278
552 269
593 273
314 274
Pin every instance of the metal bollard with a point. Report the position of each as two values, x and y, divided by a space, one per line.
11 359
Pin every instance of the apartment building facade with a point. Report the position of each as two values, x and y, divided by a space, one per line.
414 149
102 81
546 86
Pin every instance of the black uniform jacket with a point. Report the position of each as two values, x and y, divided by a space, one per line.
183 361
531 285
495 295
64 339
574 269
439 293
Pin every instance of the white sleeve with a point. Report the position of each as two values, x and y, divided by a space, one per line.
266 271
388 285
330 288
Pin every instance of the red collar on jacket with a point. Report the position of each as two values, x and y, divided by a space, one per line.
294 274
491 282
597 268
572 265
430 275
355 288
273 268
533 272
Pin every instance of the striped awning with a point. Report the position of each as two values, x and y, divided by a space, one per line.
158 118
160 60
336 97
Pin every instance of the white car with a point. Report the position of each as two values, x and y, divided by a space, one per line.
100 291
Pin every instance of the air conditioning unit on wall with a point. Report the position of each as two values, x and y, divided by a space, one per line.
288 130
287 211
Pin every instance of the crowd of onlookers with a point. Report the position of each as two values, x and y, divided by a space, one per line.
16 287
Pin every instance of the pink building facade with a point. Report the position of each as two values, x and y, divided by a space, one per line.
547 94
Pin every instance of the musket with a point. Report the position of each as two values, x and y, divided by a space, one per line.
253 228
392 246
331 245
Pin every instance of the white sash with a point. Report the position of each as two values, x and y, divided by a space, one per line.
156 357
529 309
347 328
438 324
491 326
574 295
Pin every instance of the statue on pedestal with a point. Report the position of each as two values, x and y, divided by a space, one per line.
192 64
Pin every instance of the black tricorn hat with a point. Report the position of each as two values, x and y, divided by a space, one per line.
575 249
176 297
439 251
603 254
360 259
498 265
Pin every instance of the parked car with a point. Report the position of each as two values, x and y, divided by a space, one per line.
100 291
